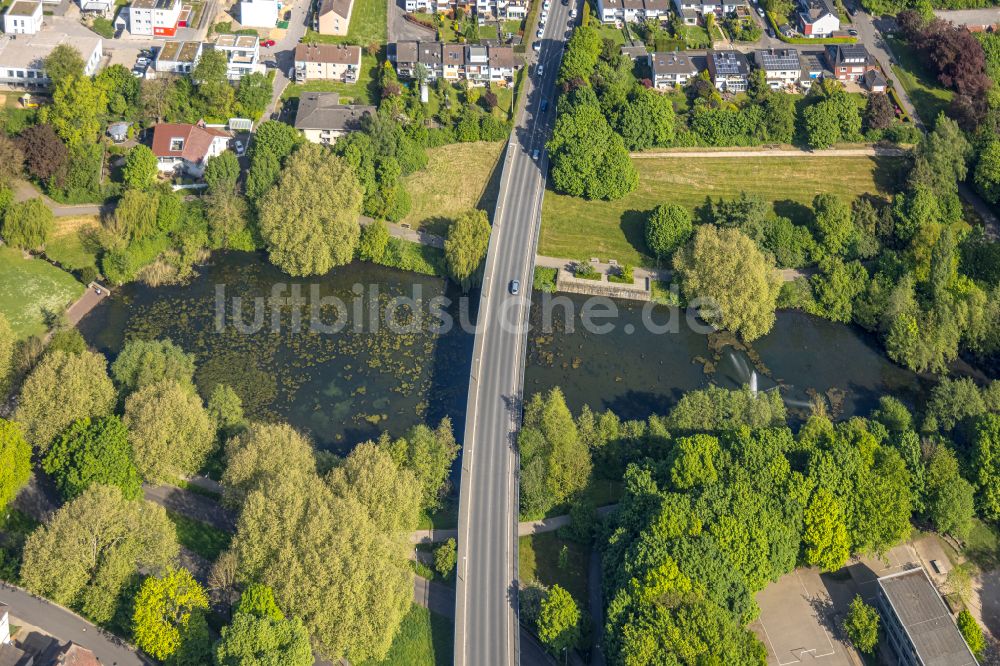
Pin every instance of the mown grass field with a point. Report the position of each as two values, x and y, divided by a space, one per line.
199 537
72 243
928 96
32 290
424 638
575 228
456 178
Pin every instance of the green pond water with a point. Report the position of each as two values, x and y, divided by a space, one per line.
347 386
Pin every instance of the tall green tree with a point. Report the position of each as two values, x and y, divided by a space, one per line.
168 610
559 621
15 462
145 362
93 451
63 63
668 227
140 168
222 171
27 224
950 498
972 633
824 533
861 625
77 110
740 284
252 640
986 463
61 389
169 429
429 454
466 246
309 219
121 535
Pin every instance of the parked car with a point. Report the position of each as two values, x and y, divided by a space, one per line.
141 62
240 148
572 13
852 32
760 11
546 5
268 43
540 33
542 19
539 70
537 46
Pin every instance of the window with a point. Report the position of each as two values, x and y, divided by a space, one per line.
176 144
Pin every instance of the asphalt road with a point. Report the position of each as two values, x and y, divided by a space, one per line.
68 626
486 622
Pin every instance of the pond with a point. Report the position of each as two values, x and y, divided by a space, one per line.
347 385
635 373
343 382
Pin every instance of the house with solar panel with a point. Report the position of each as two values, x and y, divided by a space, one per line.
918 624
782 67
729 70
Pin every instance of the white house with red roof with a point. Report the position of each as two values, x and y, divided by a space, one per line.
187 148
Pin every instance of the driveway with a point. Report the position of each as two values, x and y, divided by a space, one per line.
402 30
283 53
869 35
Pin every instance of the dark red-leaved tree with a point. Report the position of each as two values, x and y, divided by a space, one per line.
45 154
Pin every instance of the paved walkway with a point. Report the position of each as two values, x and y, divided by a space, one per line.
871 151
524 528
23 190
192 505
94 294
66 625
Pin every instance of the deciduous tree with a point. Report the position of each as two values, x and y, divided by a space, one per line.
559 620
28 224
465 248
740 283
140 168
429 455
144 362
15 462
63 63
168 610
309 219
824 533
861 625
445 557
950 498
169 429
121 536
252 640
668 227
251 459
93 451
61 389
222 171
45 155
374 241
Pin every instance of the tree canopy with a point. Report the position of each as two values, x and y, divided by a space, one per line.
309 218
15 462
465 247
93 451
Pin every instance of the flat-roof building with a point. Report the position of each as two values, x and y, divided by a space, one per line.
177 56
154 17
23 17
917 623
22 61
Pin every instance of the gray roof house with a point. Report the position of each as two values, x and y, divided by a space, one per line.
323 119
672 68
729 70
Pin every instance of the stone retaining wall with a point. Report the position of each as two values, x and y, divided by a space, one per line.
637 291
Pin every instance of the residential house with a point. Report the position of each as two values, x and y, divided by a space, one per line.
323 119
333 17
874 81
259 13
177 56
22 60
154 17
242 54
729 71
918 624
673 68
478 64
328 62
23 17
811 65
818 18
187 148
632 11
849 62
781 67
693 11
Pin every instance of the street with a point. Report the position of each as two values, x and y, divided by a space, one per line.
486 621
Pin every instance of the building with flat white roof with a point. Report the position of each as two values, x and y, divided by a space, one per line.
23 17
242 54
259 13
176 56
154 17
22 61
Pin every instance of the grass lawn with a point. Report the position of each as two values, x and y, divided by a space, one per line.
696 37
983 545
455 179
539 559
72 244
444 518
31 290
609 31
362 92
927 95
575 228
369 21
424 638
199 537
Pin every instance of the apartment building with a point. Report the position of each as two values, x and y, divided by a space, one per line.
694 11
176 56
154 17
333 17
22 61
242 54
632 11
329 62
23 17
